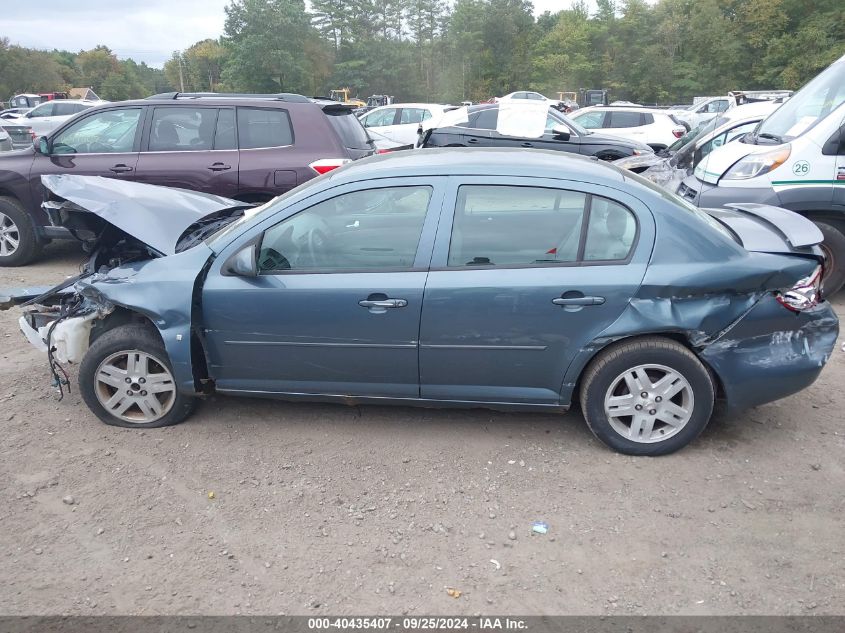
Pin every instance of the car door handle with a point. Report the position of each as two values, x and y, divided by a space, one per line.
578 301
219 167
472 141
528 145
383 303
120 168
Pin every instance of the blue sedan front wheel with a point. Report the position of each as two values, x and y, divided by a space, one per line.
647 396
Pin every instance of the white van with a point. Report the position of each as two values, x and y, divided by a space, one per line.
794 159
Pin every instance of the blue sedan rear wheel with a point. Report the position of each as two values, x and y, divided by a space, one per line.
647 396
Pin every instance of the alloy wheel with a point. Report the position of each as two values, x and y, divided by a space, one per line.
10 236
135 386
649 403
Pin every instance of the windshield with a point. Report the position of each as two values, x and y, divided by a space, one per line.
808 106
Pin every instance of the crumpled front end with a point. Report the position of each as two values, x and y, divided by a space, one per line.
161 291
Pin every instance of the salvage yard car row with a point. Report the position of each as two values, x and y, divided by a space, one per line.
475 270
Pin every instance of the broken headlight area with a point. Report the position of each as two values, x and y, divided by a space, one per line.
62 329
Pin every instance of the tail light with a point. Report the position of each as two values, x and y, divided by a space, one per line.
383 151
678 132
325 165
805 294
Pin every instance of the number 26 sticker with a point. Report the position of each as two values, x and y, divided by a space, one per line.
801 168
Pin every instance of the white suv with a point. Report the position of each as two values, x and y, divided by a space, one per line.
651 126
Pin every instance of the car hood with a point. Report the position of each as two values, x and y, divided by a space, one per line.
717 162
156 216
600 138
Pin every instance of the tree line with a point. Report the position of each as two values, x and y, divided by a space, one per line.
436 50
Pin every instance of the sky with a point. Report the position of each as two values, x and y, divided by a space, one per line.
146 30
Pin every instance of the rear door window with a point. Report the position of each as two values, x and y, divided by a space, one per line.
224 134
487 119
182 129
507 226
413 115
264 127
625 119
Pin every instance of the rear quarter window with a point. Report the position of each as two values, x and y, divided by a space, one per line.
349 129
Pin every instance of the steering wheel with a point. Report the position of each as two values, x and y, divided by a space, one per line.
315 242
97 147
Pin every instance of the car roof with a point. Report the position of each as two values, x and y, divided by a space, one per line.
499 161
624 108
438 106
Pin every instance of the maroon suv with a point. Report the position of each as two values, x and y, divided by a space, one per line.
248 147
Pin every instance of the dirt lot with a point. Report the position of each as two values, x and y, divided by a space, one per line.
328 509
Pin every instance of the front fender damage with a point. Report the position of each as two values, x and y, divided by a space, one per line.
160 291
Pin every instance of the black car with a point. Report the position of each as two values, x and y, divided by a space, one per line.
562 134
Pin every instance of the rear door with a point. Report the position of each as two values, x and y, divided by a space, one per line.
103 143
626 124
525 273
267 154
190 147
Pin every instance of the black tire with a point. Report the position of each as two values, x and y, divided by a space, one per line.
834 251
604 371
133 337
28 247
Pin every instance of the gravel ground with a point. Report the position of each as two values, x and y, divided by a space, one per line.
324 509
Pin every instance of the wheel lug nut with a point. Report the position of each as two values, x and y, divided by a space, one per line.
644 394
658 399
142 380
638 407
128 392
127 380
143 393
652 411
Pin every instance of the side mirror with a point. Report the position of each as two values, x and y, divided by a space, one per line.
244 263
561 132
42 145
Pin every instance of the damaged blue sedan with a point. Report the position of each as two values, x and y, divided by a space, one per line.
454 278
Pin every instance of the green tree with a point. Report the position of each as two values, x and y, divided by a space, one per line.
266 38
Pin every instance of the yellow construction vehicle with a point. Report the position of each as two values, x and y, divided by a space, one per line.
342 95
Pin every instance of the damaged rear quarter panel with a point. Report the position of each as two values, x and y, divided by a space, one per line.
718 297
163 294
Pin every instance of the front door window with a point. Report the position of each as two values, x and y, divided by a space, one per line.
109 132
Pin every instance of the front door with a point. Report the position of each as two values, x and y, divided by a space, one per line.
105 143
523 276
191 147
335 308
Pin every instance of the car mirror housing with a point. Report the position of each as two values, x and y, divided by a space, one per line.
561 132
244 263
42 145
